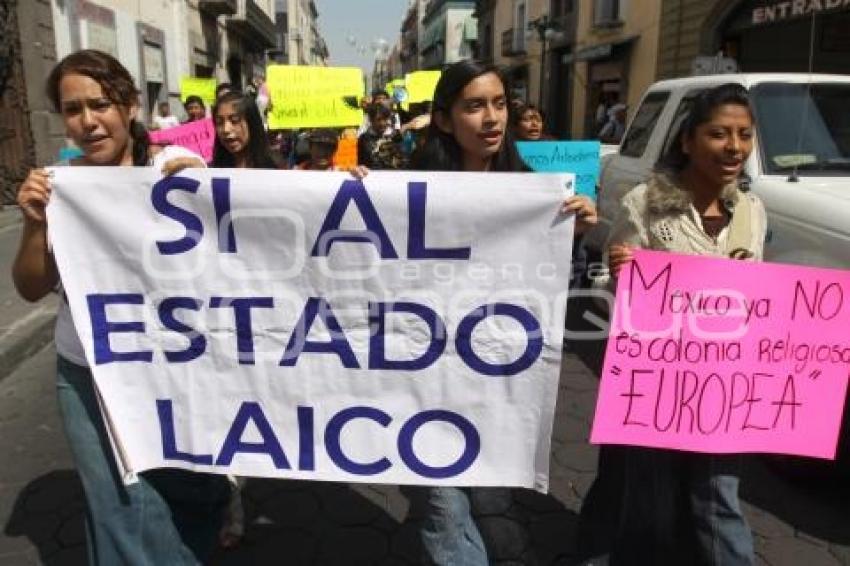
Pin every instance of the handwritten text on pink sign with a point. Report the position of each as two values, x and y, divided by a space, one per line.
723 356
197 136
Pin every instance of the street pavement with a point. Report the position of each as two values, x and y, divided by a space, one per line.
24 328
313 523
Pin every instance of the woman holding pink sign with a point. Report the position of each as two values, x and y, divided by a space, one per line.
653 506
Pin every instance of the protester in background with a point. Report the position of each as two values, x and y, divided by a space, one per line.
280 146
195 108
606 101
413 132
222 89
380 96
652 506
168 516
469 131
323 143
527 122
240 139
613 131
165 119
379 147
260 93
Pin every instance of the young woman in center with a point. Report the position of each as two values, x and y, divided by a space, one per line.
470 131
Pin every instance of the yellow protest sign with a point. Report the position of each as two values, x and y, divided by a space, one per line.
205 88
314 97
421 85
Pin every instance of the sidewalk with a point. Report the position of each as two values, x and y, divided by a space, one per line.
24 328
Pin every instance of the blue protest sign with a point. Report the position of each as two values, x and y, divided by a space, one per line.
578 157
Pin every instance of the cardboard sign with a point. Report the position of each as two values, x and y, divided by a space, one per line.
578 157
311 325
199 136
346 153
725 356
421 85
314 97
203 87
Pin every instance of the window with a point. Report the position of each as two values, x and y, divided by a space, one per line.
803 128
640 129
519 28
606 13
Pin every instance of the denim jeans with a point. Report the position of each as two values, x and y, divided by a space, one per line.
661 507
448 533
722 533
167 517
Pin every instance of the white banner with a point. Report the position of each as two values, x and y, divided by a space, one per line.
404 329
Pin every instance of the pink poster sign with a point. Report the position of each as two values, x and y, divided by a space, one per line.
723 356
197 136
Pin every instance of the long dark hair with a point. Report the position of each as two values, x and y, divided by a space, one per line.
441 151
117 85
259 153
703 106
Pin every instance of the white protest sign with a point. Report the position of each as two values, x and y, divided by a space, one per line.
404 329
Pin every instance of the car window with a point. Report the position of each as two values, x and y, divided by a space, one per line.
681 113
804 128
640 130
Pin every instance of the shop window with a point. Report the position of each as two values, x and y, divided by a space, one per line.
607 13
641 127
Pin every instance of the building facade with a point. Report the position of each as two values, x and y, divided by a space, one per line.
412 30
532 40
615 57
701 36
298 39
30 133
158 41
449 33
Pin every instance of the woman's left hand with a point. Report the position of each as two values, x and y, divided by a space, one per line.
584 209
177 164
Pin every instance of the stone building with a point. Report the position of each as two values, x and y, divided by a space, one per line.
754 36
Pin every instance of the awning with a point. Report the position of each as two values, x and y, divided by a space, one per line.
594 52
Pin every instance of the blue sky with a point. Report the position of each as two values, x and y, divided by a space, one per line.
362 21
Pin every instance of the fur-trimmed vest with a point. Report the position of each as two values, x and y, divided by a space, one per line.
660 215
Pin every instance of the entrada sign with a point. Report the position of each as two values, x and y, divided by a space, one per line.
778 11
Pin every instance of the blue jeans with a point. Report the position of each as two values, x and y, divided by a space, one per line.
167 517
448 533
661 507
723 536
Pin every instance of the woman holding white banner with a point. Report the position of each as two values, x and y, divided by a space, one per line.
470 131
167 516
664 506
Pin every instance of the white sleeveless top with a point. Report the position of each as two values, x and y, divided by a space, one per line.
68 343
